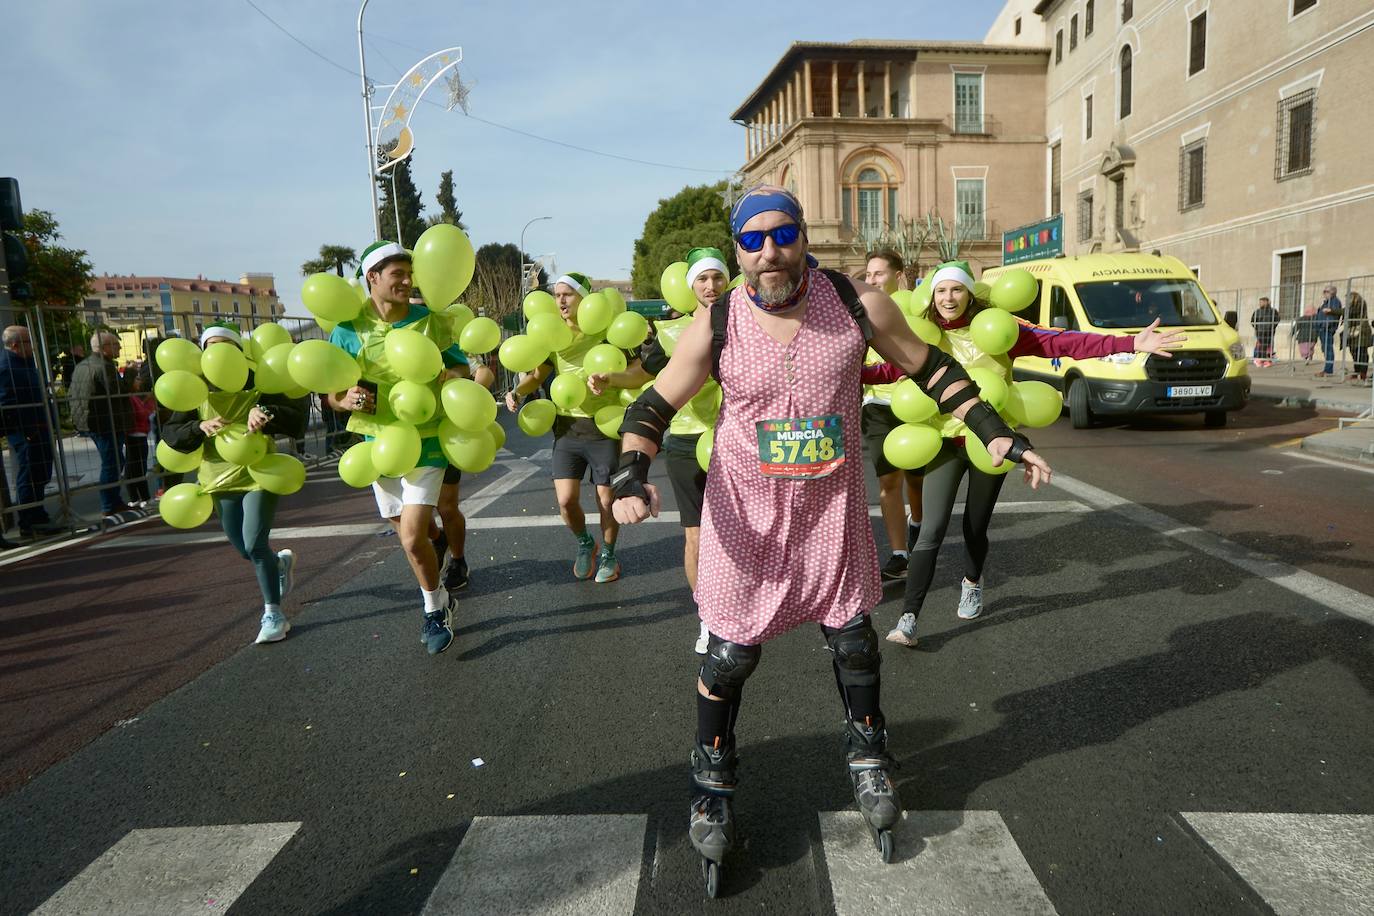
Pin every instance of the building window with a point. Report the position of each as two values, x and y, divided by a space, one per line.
1085 215
1293 155
1087 117
1290 284
1302 6
1197 43
1125 107
1016 27
1127 10
1119 201
214 306
1088 18
968 103
969 198
869 202
1073 31
1055 202
1192 170
236 306
1059 46
195 306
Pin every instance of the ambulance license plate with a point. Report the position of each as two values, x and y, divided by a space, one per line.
1189 391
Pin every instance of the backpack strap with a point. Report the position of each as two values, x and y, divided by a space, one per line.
720 326
850 296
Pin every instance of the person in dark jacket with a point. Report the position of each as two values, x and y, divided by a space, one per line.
1265 321
101 411
244 508
26 424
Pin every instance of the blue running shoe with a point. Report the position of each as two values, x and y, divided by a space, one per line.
437 634
274 627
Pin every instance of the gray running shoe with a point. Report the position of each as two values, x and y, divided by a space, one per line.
970 600
904 633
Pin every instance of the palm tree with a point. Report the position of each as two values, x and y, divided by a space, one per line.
332 257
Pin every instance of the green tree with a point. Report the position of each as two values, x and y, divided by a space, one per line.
448 204
496 279
407 202
332 257
59 278
693 217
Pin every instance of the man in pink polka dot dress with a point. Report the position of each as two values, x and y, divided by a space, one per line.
785 533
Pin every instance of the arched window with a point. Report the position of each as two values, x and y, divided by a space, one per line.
868 201
1125 107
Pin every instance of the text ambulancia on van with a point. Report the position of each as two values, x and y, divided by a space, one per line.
1122 293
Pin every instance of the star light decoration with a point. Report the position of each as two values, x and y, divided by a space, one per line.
457 92
393 130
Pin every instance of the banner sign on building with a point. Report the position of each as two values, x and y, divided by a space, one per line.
1044 239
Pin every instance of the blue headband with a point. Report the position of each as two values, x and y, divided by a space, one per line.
761 202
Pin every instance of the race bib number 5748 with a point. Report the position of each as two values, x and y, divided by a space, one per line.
801 448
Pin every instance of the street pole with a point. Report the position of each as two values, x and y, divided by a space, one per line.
367 125
524 273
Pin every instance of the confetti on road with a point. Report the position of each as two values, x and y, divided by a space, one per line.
450 795
415 871
402 774
478 761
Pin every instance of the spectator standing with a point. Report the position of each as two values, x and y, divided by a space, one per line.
101 412
136 449
1329 315
1358 337
26 423
1305 333
1265 321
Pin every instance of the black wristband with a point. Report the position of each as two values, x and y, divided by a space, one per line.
631 475
987 424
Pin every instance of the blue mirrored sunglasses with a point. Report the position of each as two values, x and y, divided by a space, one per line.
782 236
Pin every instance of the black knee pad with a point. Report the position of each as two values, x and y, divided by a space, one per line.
727 666
855 647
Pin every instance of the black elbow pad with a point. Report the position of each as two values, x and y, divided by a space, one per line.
649 417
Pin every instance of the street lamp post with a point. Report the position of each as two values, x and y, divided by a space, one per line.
524 273
367 125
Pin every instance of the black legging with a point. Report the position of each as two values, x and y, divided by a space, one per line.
937 500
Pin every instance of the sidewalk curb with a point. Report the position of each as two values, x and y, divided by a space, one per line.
1341 446
1290 399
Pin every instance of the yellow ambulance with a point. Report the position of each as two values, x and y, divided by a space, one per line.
1120 294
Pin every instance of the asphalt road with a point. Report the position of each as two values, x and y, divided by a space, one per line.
1165 709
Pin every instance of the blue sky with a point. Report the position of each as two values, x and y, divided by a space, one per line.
195 137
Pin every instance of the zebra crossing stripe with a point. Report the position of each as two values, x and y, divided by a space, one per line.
556 864
945 863
169 871
1299 863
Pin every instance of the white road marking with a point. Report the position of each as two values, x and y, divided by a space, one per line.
951 863
1306 585
561 864
1026 507
1299 863
212 536
172 871
518 470
1320 459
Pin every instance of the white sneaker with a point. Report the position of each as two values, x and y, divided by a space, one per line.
904 633
703 640
286 564
274 628
970 600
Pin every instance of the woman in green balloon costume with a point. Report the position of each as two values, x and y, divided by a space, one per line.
234 431
983 338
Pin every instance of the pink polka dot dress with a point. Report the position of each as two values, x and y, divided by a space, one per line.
778 552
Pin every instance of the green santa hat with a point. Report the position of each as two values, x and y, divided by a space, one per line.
700 260
378 252
578 282
953 270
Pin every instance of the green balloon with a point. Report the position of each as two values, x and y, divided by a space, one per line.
978 457
169 459
356 468
185 505
675 289
568 391
273 375
536 417
608 420
1014 290
318 365
981 291
330 297
911 446
444 263
540 303
412 402
224 366
616 300
482 335
551 331
521 353
177 355
992 386
903 299
604 358
594 314
413 355
180 390
396 450
269 335
628 330
280 474
468 404
468 450
706 445
497 433
460 315
994 331
920 298
925 329
911 404
236 445
1037 404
